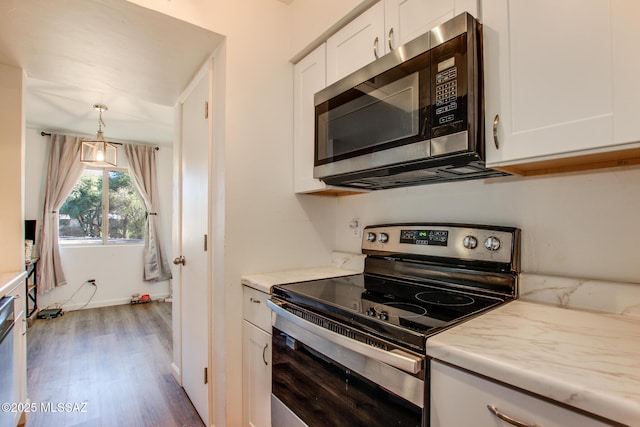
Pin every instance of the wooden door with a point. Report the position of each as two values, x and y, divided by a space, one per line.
194 229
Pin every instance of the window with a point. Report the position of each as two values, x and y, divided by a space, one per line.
99 194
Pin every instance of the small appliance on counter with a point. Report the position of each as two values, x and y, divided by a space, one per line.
352 350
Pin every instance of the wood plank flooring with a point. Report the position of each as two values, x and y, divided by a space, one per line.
110 366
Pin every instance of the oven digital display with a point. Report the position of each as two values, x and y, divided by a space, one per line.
425 237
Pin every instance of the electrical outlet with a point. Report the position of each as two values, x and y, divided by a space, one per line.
355 228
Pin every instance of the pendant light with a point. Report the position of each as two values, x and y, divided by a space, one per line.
99 152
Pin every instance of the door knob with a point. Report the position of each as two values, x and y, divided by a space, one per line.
179 260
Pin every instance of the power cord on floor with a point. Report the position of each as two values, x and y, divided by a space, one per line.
89 282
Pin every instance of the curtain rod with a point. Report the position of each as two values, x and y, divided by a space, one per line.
43 133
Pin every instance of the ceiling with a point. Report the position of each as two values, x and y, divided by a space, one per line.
77 53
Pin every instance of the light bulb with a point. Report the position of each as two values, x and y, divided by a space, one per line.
100 156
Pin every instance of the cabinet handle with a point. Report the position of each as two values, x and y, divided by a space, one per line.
257 301
375 48
508 419
495 131
264 359
390 38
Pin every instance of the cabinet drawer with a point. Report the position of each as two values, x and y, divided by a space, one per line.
452 389
254 308
19 293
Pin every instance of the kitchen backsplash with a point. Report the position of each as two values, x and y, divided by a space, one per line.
586 294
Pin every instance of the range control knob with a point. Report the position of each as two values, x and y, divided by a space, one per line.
371 237
492 243
371 311
383 315
384 237
470 242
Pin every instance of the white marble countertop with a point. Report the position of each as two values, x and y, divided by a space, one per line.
263 282
342 264
584 359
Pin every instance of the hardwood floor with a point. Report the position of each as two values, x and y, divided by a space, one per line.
106 367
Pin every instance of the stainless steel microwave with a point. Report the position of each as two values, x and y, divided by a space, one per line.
412 117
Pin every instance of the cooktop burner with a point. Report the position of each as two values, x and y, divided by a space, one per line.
409 310
445 298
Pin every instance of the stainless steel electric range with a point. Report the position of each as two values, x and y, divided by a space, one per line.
350 351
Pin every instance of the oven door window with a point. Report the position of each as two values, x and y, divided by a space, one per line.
323 393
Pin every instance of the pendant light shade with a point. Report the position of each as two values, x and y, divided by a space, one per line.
98 152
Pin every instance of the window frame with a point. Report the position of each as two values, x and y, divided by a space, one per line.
104 240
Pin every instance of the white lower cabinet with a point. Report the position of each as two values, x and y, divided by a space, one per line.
461 399
19 349
256 360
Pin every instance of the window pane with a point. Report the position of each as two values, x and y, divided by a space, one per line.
126 210
81 214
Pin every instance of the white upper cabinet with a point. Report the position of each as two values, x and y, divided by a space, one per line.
626 69
558 83
357 44
385 26
407 19
309 77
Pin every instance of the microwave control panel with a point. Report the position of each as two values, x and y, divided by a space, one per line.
448 86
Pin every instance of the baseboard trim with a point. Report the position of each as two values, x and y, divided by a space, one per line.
109 303
175 371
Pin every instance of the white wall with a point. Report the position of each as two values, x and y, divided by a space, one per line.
579 224
117 269
11 154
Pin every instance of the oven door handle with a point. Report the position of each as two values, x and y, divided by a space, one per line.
396 358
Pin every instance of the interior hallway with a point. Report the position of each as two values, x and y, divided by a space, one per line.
107 366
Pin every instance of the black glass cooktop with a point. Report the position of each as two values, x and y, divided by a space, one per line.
401 311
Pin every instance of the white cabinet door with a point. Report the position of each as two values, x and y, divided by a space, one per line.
461 399
626 69
309 77
256 378
357 44
407 19
548 75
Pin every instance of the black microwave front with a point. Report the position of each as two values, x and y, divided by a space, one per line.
414 116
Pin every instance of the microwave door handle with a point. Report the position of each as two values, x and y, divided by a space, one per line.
396 358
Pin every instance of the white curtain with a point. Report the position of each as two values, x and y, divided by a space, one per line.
64 171
142 164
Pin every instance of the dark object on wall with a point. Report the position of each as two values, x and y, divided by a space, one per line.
30 230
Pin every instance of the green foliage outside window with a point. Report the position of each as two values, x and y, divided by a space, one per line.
100 194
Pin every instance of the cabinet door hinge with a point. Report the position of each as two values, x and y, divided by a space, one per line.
206 109
206 376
